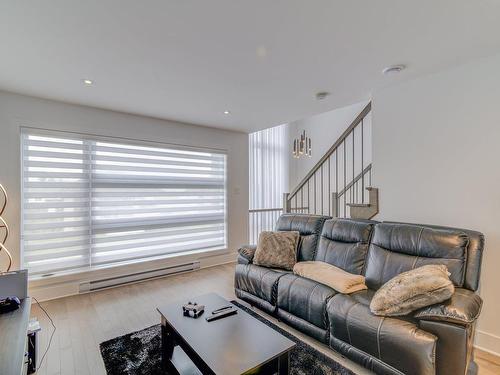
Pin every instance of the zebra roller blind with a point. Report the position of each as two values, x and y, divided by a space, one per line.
92 202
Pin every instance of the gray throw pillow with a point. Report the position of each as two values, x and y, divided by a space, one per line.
412 290
277 249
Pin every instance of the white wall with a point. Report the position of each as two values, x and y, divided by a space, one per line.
323 129
436 158
18 110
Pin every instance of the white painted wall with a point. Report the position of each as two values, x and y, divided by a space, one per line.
323 129
436 157
18 110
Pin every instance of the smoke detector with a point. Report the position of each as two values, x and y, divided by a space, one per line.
393 69
322 95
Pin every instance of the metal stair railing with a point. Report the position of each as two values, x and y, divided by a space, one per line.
340 177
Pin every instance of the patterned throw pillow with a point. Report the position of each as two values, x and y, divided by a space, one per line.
412 290
277 249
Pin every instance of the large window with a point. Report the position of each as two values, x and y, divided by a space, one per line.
90 202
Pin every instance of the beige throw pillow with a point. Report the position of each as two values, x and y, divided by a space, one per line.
412 290
329 275
277 249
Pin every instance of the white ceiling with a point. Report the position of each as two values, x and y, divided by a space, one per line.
263 60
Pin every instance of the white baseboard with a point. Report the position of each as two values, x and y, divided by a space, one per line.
487 342
45 290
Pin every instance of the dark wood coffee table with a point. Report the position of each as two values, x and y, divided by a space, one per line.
238 344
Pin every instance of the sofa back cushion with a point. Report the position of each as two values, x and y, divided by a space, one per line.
344 243
397 248
474 255
309 227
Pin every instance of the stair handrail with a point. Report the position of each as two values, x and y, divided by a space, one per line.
356 179
331 150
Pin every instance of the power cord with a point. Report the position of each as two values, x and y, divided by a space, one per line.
51 336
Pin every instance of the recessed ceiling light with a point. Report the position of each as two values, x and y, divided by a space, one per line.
393 69
227 112
261 52
322 95
87 82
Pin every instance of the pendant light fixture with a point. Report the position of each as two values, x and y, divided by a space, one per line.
302 146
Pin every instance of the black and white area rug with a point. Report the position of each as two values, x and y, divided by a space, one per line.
138 353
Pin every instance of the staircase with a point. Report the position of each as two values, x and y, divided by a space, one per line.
339 184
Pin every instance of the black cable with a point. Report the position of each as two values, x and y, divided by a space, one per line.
51 336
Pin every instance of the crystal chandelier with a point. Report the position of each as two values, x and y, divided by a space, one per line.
302 146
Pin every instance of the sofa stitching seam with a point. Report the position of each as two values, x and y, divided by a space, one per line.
386 259
248 272
368 245
326 321
347 322
274 293
262 278
378 337
417 249
289 292
388 254
308 300
346 256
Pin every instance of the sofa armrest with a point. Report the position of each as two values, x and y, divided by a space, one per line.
246 254
463 308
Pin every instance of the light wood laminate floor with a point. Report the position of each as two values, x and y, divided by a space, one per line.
85 320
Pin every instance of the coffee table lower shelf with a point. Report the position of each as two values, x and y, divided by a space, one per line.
177 361
238 344
181 364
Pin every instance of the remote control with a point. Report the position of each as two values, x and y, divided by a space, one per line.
222 309
221 315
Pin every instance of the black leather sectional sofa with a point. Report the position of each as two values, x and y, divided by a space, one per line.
434 340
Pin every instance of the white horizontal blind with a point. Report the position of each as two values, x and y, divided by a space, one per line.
151 201
90 202
56 203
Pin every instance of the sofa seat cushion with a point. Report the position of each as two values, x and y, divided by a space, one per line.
364 296
304 298
396 341
258 281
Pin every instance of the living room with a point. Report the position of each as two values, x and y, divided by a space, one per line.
233 187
